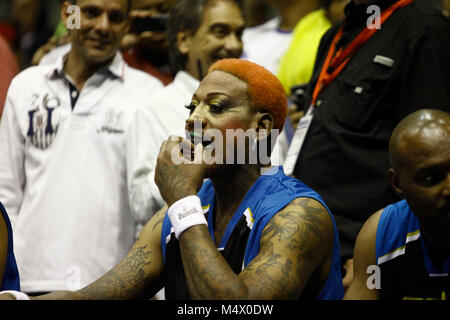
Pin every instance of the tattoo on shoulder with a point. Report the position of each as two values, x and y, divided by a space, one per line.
295 226
296 223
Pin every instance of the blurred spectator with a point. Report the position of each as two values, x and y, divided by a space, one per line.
30 21
66 159
297 64
142 49
9 70
148 50
265 44
335 9
257 12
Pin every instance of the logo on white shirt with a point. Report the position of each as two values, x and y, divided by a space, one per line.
112 122
43 120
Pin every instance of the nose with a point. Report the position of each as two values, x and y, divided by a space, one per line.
102 24
234 45
196 120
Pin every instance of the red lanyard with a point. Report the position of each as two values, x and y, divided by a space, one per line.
339 60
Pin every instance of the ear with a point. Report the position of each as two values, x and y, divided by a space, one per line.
264 124
395 182
183 41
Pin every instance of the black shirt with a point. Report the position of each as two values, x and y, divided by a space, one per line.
404 67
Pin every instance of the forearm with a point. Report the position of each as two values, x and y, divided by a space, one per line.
60 295
208 275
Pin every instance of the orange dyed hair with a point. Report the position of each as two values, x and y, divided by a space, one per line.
264 89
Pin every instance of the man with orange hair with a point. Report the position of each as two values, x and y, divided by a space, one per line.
237 234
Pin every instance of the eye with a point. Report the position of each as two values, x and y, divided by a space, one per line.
220 31
216 107
116 17
91 12
430 179
191 107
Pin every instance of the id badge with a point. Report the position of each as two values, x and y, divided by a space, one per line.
297 142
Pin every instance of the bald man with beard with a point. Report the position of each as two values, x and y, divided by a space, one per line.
402 251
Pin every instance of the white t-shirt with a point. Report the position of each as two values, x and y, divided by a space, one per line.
266 44
64 173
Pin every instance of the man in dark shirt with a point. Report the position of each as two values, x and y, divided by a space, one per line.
401 68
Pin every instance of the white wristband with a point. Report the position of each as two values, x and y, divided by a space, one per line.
185 213
18 295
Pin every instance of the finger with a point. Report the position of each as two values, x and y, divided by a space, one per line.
198 154
162 147
187 149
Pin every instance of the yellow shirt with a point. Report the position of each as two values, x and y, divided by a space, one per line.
297 64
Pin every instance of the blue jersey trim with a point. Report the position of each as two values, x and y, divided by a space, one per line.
397 222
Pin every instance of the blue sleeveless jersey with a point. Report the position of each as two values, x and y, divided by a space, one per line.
407 271
10 279
268 195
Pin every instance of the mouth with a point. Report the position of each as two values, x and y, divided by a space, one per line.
220 56
98 42
197 138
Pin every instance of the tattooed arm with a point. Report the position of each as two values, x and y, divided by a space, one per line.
138 273
295 242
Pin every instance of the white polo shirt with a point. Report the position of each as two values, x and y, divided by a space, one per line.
64 172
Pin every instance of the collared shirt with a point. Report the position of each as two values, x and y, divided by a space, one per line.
133 57
402 68
64 172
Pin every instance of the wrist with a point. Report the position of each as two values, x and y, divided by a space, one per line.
181 196
16 294
185 213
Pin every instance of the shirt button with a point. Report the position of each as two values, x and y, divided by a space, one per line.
74 94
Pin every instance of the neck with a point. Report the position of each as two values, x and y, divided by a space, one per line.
196 69
230 188
80 70
291 12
